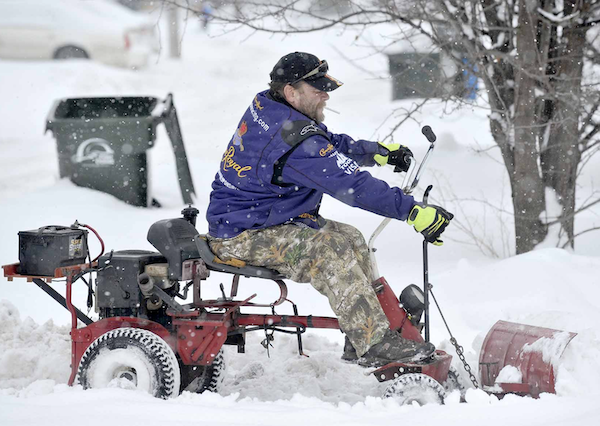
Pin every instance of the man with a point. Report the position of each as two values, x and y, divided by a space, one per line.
264 207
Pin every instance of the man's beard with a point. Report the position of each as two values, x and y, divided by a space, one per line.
314 111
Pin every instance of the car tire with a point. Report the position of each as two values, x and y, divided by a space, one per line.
70 52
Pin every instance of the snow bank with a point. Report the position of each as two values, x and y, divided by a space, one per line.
30 352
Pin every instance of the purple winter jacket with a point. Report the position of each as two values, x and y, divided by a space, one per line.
278 165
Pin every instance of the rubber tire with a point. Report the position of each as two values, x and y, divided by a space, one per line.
70 52
199 378
131 349
415 387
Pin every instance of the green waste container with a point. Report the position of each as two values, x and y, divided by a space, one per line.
102 144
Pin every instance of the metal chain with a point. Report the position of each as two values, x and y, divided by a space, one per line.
461 356
459 349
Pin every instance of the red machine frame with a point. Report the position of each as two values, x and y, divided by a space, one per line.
199 336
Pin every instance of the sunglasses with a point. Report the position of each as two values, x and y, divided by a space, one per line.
319 71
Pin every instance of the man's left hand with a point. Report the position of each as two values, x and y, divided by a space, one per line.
430 221
398 156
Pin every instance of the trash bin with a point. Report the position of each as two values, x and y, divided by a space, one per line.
102 143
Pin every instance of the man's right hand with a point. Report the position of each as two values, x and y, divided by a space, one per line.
400 158
397 156
430 221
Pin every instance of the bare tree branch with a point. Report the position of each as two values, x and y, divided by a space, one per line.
535 62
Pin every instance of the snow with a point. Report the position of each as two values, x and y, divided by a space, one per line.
510 374
557 18
212 85
111 360
550 215
550 348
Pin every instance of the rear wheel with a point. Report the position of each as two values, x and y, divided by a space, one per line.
68 52
202 378
130 358
415 387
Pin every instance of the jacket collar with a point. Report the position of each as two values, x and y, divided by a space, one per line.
274 96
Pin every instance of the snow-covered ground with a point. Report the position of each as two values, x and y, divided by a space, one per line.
212 85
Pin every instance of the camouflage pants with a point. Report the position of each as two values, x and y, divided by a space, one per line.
334 259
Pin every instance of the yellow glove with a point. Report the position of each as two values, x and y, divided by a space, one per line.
430 221
398 156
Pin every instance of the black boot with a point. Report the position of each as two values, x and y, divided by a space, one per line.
349 354
395 348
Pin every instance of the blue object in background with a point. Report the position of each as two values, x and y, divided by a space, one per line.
470 79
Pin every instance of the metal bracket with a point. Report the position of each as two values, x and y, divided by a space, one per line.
60 299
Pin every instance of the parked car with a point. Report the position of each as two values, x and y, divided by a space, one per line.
100 30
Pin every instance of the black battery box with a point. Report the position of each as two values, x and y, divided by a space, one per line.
43 250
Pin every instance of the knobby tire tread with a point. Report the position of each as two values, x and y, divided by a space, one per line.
154 348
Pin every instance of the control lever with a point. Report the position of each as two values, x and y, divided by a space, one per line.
407 189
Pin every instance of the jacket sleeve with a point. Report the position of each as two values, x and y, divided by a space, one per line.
318 165
360 151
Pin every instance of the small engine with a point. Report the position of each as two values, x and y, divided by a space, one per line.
118 292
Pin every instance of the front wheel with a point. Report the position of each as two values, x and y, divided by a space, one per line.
415 387
131 358
455 382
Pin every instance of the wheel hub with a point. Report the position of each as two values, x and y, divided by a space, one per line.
127 373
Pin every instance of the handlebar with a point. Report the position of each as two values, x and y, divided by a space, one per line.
406 189
415 181
409 173
428 132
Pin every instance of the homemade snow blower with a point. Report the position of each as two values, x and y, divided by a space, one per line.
145 337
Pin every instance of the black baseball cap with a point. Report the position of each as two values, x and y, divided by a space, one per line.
299 66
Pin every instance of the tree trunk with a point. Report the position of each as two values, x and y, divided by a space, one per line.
527 186
561 155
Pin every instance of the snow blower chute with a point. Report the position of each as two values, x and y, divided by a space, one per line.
518 358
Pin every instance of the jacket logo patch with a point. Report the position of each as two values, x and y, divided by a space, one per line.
229 163
308 129
324 151
346 164
237 137
255 116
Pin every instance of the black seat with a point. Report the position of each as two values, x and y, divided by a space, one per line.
174 239
215 264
